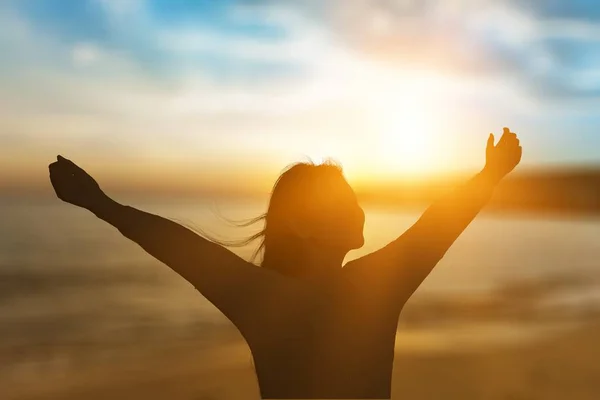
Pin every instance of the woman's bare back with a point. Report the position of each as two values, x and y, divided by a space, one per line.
330 343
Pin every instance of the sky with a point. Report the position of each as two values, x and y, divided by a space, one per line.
227 92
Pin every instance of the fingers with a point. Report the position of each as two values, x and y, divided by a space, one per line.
507 134
64 161
59 172
56 168
56 179
68 163
60 168
508 137
491 141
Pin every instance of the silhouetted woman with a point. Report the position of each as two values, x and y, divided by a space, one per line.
315 329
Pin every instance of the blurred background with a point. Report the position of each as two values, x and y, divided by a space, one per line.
190 109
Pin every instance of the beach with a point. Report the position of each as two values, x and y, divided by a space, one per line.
512 312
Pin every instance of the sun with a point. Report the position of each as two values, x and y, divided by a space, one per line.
406 122
405 142
406 136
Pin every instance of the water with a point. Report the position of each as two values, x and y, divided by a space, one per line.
69 279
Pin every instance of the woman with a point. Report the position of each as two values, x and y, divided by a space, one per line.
315 329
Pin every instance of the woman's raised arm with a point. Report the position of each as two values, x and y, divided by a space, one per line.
232 284
394 272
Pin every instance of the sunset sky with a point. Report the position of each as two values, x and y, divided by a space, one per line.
217 91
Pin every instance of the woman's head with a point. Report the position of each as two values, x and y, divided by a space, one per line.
311 205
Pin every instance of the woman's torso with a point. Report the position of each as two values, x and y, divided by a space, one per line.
333 343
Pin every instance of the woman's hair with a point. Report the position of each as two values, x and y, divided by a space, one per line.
280 247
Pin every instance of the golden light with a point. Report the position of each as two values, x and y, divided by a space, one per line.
405 139
407 136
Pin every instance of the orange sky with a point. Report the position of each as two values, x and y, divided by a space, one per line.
399 94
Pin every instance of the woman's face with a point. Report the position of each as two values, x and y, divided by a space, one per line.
334 217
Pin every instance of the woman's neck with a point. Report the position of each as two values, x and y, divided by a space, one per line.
320 261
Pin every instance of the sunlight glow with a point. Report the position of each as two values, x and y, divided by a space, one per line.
405 138
408 140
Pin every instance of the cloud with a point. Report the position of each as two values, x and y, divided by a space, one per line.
505 39
89 88
300 49
532 43
82 95
85 54
282 73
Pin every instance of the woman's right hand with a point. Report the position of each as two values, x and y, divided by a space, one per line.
73 185
502 158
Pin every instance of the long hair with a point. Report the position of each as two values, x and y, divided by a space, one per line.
281 248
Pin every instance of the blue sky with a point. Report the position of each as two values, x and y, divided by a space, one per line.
386 87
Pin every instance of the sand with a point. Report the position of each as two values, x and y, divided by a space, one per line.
560 365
